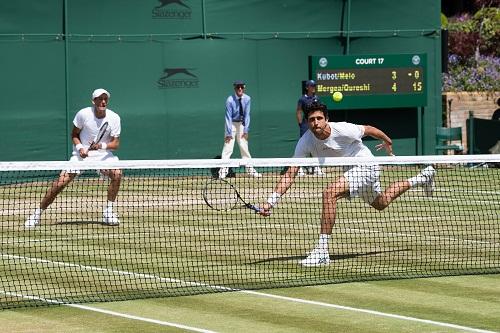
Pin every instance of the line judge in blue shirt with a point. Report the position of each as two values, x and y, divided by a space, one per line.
237 125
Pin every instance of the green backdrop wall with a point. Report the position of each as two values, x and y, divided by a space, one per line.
53 54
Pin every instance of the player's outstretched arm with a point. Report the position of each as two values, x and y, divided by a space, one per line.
281 187
378 134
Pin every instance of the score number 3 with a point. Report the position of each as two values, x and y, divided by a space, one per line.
394 76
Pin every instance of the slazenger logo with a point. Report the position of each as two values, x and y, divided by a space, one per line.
172 9
178 78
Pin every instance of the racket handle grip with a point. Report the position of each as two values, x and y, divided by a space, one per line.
257 210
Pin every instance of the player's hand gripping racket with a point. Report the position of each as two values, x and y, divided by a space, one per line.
99 136
223 196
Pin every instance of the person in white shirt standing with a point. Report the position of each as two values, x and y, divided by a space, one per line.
329 139
86 125
237 126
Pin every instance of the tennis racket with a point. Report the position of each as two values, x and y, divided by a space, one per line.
99 136
223 196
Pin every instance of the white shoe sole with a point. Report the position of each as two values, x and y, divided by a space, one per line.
110 219
314 264
31 223
111 223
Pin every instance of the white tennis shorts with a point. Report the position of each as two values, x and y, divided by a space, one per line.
364 182
93 157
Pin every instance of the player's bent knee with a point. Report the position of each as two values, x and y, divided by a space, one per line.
332 194
380 203
379 207
115 174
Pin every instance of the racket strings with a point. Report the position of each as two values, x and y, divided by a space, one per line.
220 195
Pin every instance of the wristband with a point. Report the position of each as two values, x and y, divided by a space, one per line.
273 199
104 145
79 146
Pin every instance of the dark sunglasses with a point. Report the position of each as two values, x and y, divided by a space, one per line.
239 87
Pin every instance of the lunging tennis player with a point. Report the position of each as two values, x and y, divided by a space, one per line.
86 126
329 139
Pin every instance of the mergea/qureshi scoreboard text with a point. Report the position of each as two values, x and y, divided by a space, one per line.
371 81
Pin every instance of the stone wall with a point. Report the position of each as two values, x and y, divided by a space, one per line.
457 105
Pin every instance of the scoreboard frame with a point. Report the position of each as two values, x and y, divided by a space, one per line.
370 81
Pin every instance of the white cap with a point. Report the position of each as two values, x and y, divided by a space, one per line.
99 92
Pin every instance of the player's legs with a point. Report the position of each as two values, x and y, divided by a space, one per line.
390 194
57 186
115 176
425 179
335 191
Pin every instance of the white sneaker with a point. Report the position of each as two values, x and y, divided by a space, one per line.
32 221
253 173
317 258
223 173
301 173
109 217
429 185
318 172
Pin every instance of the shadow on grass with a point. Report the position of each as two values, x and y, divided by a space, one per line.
332 256
84 223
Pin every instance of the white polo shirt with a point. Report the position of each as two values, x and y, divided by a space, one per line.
89 125
345 140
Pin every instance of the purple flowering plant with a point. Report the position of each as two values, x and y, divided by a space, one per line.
471 74
474 42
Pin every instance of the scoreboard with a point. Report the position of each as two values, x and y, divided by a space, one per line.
371 81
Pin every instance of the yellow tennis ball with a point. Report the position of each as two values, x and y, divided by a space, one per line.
337 96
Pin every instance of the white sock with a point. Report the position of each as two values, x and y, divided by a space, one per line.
38 211
110 205
417 180
323 241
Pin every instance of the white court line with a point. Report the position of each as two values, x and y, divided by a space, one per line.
111 313
425 237
113 271
467 242
371 312
256 293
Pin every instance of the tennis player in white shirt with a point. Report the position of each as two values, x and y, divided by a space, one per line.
341 139
86 125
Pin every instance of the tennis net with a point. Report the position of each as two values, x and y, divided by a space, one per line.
170 242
